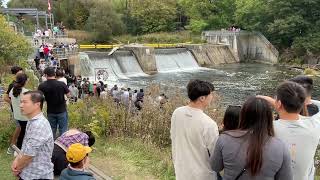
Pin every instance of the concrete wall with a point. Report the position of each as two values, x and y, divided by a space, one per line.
212 54
245 45
146 58
74 64
252 47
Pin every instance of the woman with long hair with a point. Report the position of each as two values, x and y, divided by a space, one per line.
252 151
15 94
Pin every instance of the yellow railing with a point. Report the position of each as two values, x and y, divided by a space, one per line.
109 46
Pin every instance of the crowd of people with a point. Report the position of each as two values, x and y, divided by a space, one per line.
47 33
254 142
47 147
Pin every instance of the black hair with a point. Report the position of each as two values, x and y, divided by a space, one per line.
21 80
141 90
36 96
49 71
198 88
256 118
15 69
135 91
305 82
59 73
231 118
91 139
292 96
128 89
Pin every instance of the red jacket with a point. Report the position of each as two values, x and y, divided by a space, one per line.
46 50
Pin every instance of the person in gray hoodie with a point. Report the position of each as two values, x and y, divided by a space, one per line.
252 152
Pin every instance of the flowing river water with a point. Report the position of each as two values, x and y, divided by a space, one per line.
233 82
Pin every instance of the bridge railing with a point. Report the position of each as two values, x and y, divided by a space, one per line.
64 53
224 33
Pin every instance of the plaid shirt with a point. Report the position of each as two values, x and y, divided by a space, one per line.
38 143
64 141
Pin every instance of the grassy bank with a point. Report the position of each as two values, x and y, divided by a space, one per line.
84 37
132 159
162 37
5 164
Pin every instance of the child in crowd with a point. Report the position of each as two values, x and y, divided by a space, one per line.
63 142
77 156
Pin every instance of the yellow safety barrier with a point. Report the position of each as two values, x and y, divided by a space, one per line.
110 46
106 46
85 46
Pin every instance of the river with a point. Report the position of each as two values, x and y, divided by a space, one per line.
233 82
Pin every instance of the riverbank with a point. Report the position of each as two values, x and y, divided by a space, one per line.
160 37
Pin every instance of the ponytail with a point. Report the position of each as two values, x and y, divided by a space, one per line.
21 80
17 89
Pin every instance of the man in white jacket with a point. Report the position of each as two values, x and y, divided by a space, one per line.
194 134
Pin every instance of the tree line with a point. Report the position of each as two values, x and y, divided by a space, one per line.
289 24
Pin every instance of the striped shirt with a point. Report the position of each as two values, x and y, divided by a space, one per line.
38 143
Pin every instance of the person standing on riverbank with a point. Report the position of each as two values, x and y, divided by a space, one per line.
37 62
15 96
54 92
306 82
34 161
300 133
193 134
252 151
14 70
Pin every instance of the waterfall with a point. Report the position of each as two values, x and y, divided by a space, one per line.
128 64
175 60
104 67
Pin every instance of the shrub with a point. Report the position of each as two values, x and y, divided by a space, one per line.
6 126
151 124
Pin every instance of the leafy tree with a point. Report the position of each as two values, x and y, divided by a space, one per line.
207 14
248 14
73 14
153 16
104 21
13 47
39 4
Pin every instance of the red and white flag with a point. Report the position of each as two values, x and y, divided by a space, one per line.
49 6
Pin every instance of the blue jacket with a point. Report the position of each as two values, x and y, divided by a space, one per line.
69 174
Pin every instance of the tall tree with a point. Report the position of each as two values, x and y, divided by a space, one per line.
104 21
152 15
13 46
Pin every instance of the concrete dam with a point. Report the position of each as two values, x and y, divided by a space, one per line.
143 61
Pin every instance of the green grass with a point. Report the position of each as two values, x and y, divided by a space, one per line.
132 159
5 165
160 37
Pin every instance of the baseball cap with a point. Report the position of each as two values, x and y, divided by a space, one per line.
77 152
